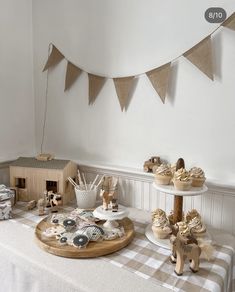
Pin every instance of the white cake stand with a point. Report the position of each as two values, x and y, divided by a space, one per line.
110 216
178 197
178 210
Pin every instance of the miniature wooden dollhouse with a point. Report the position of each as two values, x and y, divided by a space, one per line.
32 177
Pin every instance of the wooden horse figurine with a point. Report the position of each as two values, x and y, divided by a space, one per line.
183 251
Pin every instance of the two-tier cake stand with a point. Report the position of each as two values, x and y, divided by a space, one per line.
178 209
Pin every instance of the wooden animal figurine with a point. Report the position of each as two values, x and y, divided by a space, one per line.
106 197
53 201
108 190
183 251
154 161
31 205
183 230
41 205
114 205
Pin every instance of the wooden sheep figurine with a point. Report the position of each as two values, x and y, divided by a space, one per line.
181 250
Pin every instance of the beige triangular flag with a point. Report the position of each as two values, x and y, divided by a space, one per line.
159 78
123 88
95 85
201 56
230 22
72 74
55 57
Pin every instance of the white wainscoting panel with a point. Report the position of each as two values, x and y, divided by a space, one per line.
135 189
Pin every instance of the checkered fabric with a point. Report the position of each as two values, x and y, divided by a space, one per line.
152 262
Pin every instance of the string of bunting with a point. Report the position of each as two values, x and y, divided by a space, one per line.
200 56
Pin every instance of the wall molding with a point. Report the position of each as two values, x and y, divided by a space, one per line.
135 190
134 174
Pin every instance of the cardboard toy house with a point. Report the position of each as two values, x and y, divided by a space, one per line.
31 177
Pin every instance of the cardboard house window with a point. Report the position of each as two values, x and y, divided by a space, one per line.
52 186
20 183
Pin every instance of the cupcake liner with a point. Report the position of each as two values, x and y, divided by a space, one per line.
159 232
182 185
162 179
198 182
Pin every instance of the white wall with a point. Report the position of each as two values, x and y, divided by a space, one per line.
125 37
16 83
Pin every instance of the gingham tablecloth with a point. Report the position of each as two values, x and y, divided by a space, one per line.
152 262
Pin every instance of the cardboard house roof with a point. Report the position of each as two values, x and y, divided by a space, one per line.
32 162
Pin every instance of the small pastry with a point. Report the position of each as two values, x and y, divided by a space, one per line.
182 180
53 231
198 176
69 224
192 214
58 219
160 224
80 241
197 227
83 214
163 174
63 240
161 232
111 234
93 232
158 213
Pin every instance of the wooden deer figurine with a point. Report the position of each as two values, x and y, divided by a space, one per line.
182 250
108 190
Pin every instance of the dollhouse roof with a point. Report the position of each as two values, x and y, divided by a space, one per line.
32 162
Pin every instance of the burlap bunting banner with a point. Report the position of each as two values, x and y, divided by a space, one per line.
159 78
95 85
201 56
72 74
230 22
55 57
123 88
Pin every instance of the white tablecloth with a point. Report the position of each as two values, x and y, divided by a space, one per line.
24 267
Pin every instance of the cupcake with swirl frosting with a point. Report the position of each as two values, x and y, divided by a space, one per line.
182 180
163 174
198 176
160 224
197 227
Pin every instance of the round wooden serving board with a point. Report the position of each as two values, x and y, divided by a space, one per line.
93 249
